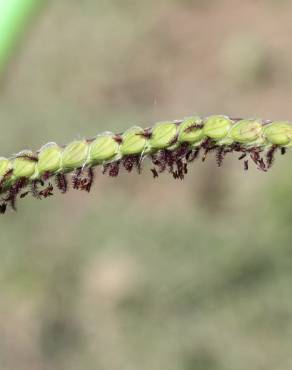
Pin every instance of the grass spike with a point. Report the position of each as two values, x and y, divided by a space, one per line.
169 145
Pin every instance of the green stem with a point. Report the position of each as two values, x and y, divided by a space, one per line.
14 17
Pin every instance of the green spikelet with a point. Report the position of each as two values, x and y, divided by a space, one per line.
74 155
191 131
278 133
133 142
162 136
49 159
248 132
217 127
5 165
169 145
23 166
103 148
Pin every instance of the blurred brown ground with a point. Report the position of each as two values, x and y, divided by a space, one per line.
144 274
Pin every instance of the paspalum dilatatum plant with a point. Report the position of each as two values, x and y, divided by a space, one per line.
170 146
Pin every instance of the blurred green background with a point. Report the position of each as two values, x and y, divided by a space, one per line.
144 274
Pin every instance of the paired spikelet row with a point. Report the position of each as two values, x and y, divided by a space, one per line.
169 145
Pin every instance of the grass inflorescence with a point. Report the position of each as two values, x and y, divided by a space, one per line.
170 146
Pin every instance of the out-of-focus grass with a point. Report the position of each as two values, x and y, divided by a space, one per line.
14 18
141 273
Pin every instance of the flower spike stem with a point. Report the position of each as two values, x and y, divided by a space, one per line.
171 146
